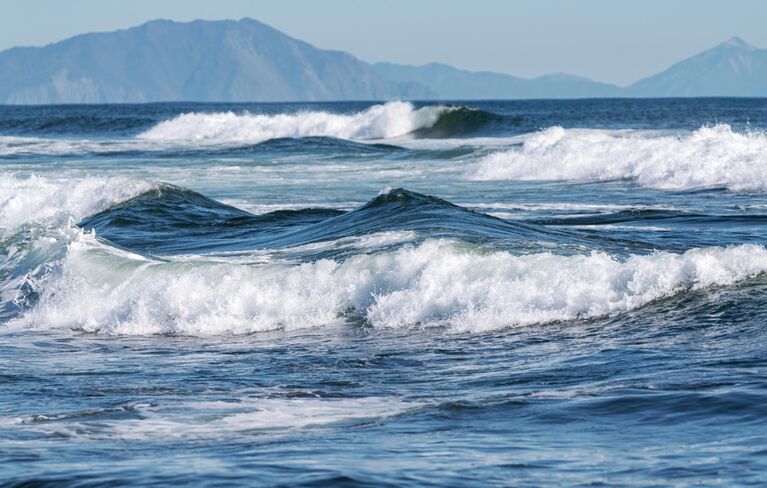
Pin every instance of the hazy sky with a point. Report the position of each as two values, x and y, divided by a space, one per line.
613 41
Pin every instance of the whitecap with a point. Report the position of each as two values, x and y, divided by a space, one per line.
709 157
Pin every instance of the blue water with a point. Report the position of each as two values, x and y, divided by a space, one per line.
525 293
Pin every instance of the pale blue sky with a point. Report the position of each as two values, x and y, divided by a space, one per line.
613 41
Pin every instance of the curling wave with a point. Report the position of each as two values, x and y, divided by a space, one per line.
392 119
710 157
377 122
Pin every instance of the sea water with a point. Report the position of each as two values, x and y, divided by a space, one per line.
462 293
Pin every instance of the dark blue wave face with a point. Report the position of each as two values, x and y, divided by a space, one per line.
451 294
171 220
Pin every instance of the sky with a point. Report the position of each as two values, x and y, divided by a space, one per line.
612 41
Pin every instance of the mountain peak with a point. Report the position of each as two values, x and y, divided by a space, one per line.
738 43
201 60
733 68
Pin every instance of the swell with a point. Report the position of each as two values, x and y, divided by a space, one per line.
172 220
73 121
23 147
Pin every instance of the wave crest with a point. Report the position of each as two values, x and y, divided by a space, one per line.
38 199
437 283
710 157
377 122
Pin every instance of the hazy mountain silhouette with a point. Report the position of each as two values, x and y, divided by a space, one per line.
456 84
733 68
164 60
247 60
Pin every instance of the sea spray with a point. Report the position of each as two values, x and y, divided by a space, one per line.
708 157
377 122
436 283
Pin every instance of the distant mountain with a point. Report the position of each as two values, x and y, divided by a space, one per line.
733 68
164 60
451 83
246 60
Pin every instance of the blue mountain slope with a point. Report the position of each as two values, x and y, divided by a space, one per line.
202 61
453 83
733 68
228 61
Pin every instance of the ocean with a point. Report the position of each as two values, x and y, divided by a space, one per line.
526 293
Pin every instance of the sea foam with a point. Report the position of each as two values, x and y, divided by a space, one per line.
709 157
35 199
437 283
377 122
214 419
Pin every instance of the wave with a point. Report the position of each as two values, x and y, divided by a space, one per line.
710 157
172 261
72 121
393 119
457 121
173 220
12 147
377 122
170 219
37 199
439 282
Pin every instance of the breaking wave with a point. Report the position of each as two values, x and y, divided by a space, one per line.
710 157
171 261
436 283
377 122
37 199
392 119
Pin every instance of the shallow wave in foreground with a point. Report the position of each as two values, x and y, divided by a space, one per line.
710 157
99 288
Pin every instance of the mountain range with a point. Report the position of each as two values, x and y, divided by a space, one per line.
247 60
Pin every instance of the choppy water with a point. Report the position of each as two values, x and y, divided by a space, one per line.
521 293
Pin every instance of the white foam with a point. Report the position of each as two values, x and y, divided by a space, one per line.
263 208
377 122
35 199
708 157
213 419
633 228
436 283
559 206
375 240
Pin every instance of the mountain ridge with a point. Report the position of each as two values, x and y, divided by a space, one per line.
248 61
459 84
163 60
731 68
